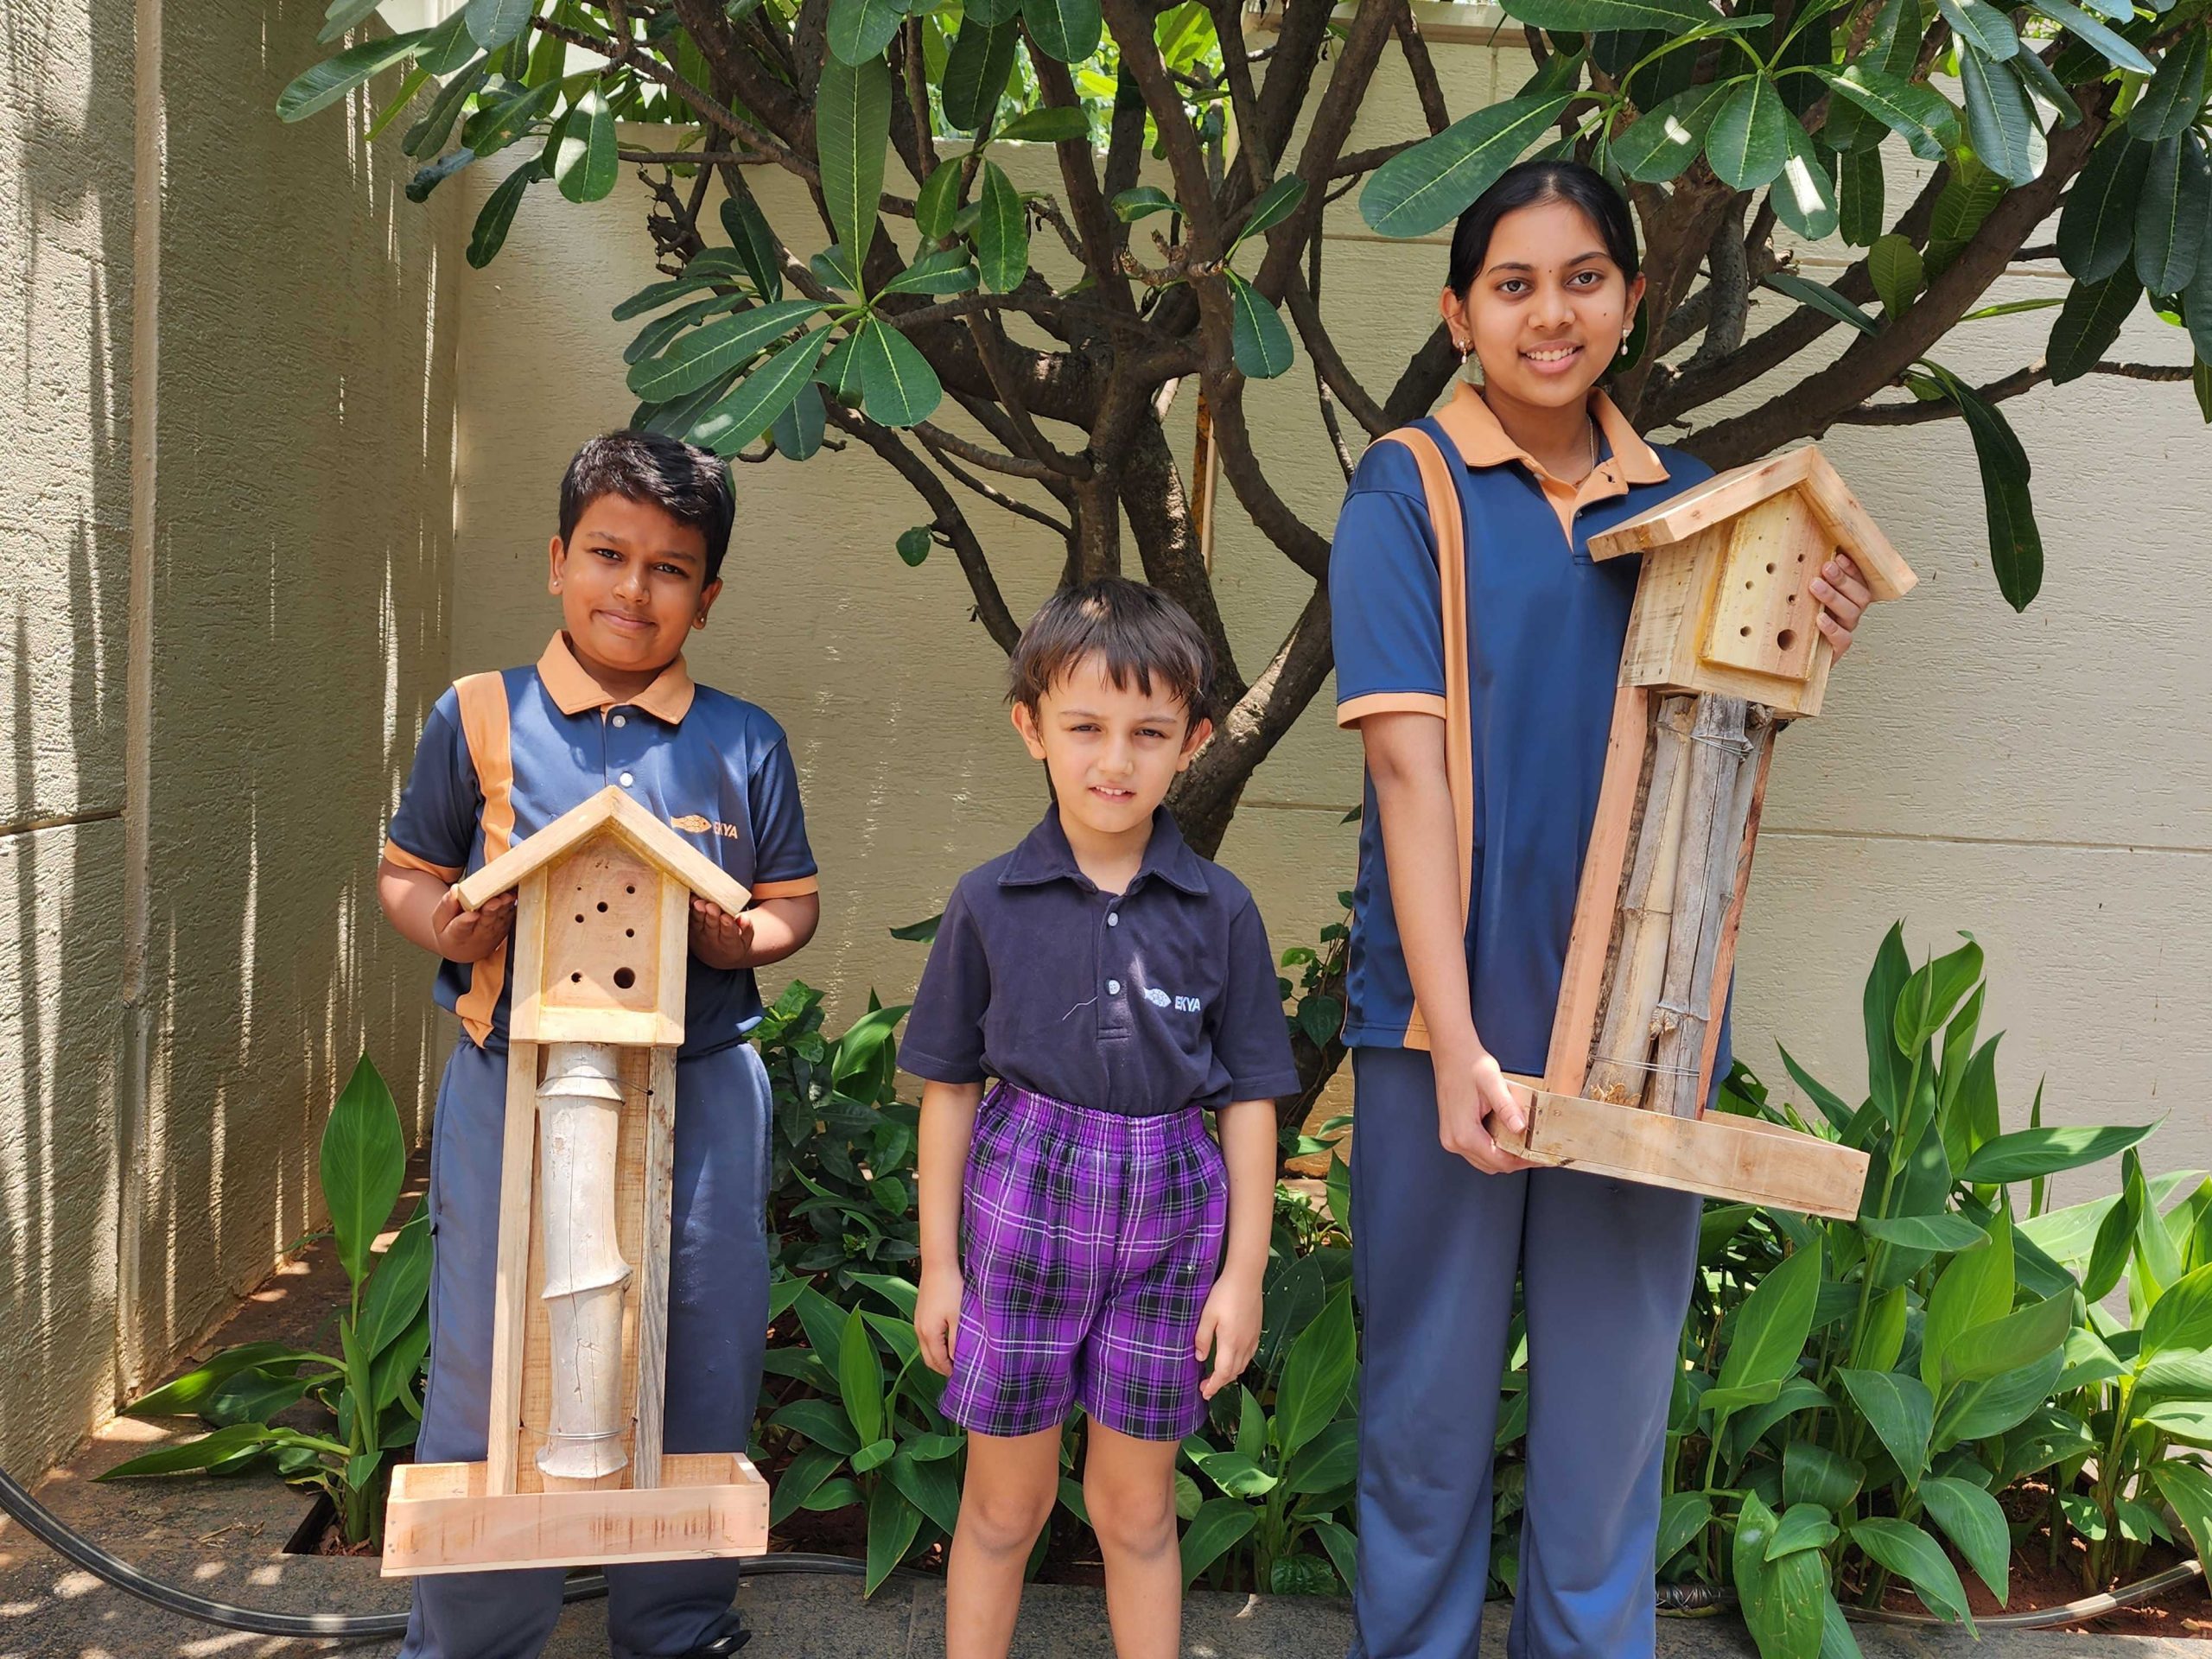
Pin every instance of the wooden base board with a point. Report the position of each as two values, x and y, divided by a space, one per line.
441 1518
1745 1160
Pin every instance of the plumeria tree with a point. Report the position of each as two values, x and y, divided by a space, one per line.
1200 148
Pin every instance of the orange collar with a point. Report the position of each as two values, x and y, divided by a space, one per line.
1481 442
667 699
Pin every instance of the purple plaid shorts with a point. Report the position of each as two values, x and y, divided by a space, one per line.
1088 1242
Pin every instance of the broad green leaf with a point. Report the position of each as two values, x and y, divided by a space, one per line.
1859 197
1583 16
938 202
2108 1255
653 337
496 216
1932 996
2169 105
1812 1473
1271 205
893 1524
2096 227
654 295
184 1395
491 131
1919 1561
1836 1640
585 165
203 1453
1830 1104
823 1421
1343 1551
1136 203
836 1494
2038 82
1316 1373
1056 125
2103 38
975 72
1001 233
1260 338
1894 265
930 1485
1893 49
695 359
1238 1473
1067 30
2018 1339
1780 1599
1803 1526
331 80
2157 1262
897 383
1971 1519
399 1286
492 23
1825 299
1998 120
753 244
1923 117
1420 189
1974 1289
1773 1323
427 179
2014 541
2172 214
429 135
801 1479
1803 197
860 29
363 1161
1219 1523
1989 30
914 544
395 1369
945 272
1749 144
2026 1154
1901 1411
852 125
2186 1486
1330 1461
1948 1231
1682 1517
1661 143
1970 1108
1881 1339
1970 195
342 15
2181 1317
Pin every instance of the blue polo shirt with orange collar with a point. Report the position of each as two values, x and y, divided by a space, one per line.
502 754
1544 629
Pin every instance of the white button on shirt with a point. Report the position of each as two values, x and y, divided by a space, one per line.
628 780
1113 919
621 720
1113 988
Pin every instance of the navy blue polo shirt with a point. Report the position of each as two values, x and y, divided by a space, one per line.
502 754
1139 1002
1544 630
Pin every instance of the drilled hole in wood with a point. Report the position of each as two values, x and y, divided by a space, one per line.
624 979
576 979
579 919
1792 599
1769 569
629 889
629 932
602 906
1786 638
1746 632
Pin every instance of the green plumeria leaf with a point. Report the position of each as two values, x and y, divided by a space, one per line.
1425 187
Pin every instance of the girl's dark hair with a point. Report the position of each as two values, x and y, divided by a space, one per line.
1524 185
691 484
1143 635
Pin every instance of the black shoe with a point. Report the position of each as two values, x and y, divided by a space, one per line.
722 1646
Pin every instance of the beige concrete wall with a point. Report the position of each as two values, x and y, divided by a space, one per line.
296 447
2043 781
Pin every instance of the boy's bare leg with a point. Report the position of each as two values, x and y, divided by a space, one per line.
1129 1485
1009 1495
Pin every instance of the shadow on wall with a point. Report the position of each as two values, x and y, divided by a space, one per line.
302 507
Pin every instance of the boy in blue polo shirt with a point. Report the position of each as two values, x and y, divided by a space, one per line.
644 522
1085 1241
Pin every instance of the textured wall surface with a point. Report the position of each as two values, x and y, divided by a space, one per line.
300 511
2041 781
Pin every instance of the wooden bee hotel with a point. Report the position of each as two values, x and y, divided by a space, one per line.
574 1472
1722 652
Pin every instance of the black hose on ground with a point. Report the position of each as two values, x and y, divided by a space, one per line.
44 1524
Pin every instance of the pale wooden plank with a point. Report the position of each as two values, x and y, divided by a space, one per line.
611 806
674 947
1725 962
1718 1155
443 1518
1597 899
526 959
1887 574
656 1199
1762 610
534 852
1703 505
512 1301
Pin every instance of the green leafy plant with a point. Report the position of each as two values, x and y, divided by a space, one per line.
370 1392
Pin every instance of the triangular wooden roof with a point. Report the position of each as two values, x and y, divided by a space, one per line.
1725 496
614 812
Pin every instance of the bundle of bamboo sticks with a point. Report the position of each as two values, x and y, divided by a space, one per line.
1693 822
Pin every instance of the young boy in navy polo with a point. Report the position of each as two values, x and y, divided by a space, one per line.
1085 1240
645 523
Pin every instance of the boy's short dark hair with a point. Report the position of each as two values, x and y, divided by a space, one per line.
688 483
1141 634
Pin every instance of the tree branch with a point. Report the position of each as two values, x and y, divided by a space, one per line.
1100 243
1131 21
1300 542
2035 374
1434 109
950 523
1170 545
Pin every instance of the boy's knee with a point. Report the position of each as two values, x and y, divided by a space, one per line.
1128 1517
1004 1523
